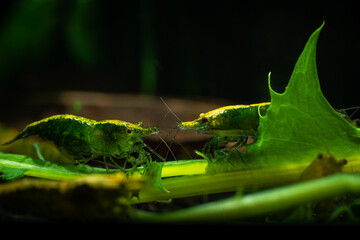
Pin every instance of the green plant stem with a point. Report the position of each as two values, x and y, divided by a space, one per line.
49 170
181 178
262 202
184 167
196 182
45 169
192 185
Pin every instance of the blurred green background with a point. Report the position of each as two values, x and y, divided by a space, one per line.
187 49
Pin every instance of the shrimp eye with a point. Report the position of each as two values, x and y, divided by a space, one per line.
128 130
204 120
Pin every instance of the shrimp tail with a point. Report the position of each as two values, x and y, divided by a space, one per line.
30 130
23 134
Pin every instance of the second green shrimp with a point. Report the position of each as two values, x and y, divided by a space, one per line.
227 124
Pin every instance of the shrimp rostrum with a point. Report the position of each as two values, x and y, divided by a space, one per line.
84 139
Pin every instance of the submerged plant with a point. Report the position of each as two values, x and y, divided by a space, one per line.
302 144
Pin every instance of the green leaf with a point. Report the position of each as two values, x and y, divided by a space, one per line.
299 124
9 173
153 171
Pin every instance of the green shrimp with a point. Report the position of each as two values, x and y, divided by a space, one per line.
227 124
84 139
236 119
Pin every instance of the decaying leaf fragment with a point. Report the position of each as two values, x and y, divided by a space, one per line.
323 165
94 197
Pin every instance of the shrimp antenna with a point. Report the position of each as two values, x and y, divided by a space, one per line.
159 123
172 153
350 108
357 109
155 153
178 143
177 118
167 145
167 134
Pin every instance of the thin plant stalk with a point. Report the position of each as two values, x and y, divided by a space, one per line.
260 203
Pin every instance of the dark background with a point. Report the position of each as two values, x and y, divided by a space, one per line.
187 49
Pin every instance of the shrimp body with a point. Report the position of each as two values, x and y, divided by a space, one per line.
237 119
79 137
228 124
